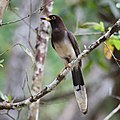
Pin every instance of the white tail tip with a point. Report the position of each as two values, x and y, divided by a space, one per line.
81 97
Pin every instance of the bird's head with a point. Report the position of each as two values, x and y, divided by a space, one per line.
55 21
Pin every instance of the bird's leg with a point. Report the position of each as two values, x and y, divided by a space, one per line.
68 66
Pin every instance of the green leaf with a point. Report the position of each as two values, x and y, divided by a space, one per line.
100 27
89 25
28 52
3 97
115 42
1 65
118 5
1 61
9 98
94 25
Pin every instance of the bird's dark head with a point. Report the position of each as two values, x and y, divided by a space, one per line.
55 21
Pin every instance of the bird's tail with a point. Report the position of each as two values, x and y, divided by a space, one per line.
79 89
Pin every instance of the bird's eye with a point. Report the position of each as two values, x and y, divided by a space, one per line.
53 18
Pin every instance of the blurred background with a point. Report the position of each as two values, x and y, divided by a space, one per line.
88 20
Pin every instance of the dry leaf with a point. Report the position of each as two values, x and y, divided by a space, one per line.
108 50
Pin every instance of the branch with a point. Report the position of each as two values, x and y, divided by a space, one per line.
25 17
112 113
61 76
15 21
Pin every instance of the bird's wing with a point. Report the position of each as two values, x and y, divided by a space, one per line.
74 43
52 41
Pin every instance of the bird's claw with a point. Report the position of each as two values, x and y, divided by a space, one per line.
68 65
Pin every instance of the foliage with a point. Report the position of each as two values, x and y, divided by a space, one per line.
28 52
115 41
1 61
94 25
5 97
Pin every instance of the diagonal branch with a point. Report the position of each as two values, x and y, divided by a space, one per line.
61 76
112 113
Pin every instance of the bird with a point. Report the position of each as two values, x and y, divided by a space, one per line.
65 44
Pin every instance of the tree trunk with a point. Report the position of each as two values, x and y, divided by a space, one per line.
40 54
20 62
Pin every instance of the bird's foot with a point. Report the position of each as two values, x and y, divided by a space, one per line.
68 66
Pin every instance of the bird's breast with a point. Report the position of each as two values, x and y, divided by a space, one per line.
65 49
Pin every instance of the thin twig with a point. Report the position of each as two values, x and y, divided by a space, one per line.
112 113
18 116
116 97
10 115
87 34
29 34
15 21
9 49
28 85
21 19
23 86
17 14
24 82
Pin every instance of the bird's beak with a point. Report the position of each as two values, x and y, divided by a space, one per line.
47 19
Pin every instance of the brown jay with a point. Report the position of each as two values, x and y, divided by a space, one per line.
65 44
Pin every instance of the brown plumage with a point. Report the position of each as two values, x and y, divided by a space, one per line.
65 44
